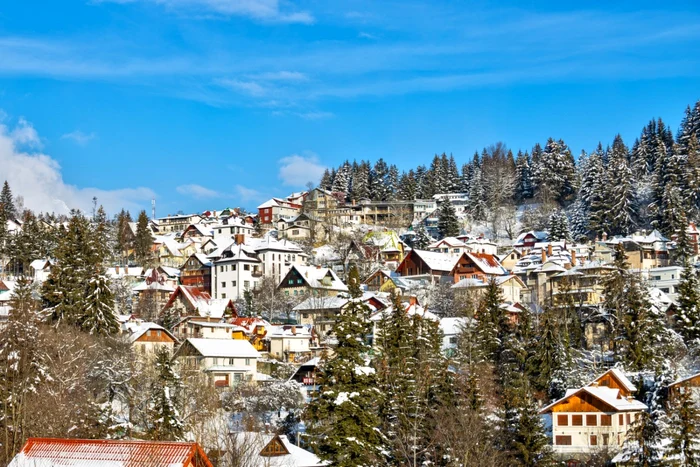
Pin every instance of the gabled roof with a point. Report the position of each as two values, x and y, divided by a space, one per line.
287 455
50 452
229 348
200 301
314 277
451 242
609 396
500 280
137 330
619 376
488 264
436 261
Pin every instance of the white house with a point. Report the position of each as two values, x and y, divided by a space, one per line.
277 256
290 343
595 416
237 270
226 361
451 328
41 268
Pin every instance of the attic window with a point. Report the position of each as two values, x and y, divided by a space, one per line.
274 448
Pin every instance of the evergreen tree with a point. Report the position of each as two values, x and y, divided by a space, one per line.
407 186
490 316
378 181
361 182
621 190
422 239
558 227
63 293
421 183
549 364
448 224
99 317
342 418
326 182
523 176
341 182
7 202
476 204
592 192
554 174
143 243
683 429
392 182
688 314
453 178
165 399
123 240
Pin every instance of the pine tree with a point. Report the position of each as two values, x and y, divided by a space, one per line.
453 178
407 186
489 318
123 241
342 418
166 422
476 204
621 190
361 182
684 429
448 224
341 182
7 202
558 227
554 173
549 361
593 191
326 182
143 242
523 176
392 182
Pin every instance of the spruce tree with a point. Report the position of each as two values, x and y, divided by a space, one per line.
523 176
407 186
489 319
621 190
99 317
392 183
7 202
341 182
165 420
422 239
378 182
476 204
448 224
326 182
361 182
143 242
684 429
342 418
688 314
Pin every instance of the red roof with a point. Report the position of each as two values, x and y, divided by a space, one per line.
67 452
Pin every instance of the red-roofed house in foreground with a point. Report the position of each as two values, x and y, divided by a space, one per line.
46 452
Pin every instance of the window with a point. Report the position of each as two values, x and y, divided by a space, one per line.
577 420
223 295
223 285
290 282
563 420
563 440
621 420
606 420
246 284
305 315
246 267
215 361
594 440
237 376
233 267
453 340
247 362
591 420
628 419
606 439
233 283
231 361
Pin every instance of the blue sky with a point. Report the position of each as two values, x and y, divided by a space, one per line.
204 104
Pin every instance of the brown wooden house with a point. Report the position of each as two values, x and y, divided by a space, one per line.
196 272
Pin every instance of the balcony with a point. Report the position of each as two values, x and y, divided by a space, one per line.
256 273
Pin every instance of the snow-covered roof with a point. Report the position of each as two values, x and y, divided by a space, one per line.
40 264
437 261
124 271
153 286
48 452
451 242
500 280
620 376
610 396
452 326
224 348
489 264
314 277
256 442
138 329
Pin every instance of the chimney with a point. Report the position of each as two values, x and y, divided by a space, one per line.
605 236
573 257
116 268
549 250
126 270
544 255
294 330
239 239
413 301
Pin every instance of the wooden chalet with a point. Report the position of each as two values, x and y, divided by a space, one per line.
690 383
420 262
196 272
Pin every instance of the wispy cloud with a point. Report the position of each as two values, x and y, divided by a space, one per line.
79 138
366 35
260 10
248 194
38 178
198 191
297 170
281 76
250 88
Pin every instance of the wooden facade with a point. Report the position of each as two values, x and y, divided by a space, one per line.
582 402
194 273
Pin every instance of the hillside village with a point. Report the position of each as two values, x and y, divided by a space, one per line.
530 310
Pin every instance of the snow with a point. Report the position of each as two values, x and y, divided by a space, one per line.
224 348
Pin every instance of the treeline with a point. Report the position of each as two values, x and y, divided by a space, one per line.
614 189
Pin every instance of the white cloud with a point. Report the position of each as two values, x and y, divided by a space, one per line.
38 179
261 10
281 76
251 88
79 138
248 194
197 191
366 35
299 170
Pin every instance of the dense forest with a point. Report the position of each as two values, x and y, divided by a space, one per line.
613 189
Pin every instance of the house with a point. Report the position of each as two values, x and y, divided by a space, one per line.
207 328
6 289
236 271
171 253
305 375
510 258
450 246
47 452
482 266
527 240
232 226
644 250
595 416
153 293
177 223
309 280
383 280
511 287
196 272
302 227
255 330
320 311
580 286
689 383
227 362
131 274
665 279
419 262
290 343
147 338
451 328
40 269
191 301
277 256
275 209
270 450
196 231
